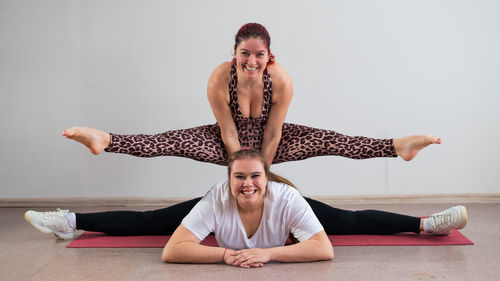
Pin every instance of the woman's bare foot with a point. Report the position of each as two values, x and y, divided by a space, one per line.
95 140
408 147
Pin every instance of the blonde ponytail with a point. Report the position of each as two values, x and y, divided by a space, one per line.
277 178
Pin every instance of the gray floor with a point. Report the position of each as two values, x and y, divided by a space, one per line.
26 254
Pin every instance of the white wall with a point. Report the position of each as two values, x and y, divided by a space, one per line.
374 68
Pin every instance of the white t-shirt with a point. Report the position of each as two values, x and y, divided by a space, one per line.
285 211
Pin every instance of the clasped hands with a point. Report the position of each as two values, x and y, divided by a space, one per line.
248 258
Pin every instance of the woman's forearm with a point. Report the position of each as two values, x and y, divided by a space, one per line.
309 250
231 142
190 252
318 247
270 144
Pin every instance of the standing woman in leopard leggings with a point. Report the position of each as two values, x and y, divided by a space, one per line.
250 96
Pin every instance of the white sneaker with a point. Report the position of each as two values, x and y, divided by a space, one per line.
443 222
54 222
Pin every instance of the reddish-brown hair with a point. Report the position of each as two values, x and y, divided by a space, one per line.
254 30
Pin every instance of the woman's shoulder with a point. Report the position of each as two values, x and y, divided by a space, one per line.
220 74
282 191
277 72
218 83
280 77
220 191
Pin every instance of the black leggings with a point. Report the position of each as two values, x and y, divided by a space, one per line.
165 221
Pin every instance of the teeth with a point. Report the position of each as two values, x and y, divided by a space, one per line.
251 68
248 192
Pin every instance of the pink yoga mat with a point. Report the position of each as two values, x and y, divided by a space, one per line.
100 240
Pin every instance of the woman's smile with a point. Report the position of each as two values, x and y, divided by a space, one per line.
248 191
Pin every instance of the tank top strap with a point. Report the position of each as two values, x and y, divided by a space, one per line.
233 83
268 94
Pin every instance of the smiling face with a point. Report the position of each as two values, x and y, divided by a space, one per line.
251 57
248 182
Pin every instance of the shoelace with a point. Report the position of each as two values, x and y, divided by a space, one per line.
442 219
57 213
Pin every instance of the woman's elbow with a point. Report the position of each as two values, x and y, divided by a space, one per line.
324 248
329 254
325 252
164 259
167 255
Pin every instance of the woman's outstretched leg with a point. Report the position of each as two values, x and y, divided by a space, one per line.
301 142
63 224
128 223
202 143
343 222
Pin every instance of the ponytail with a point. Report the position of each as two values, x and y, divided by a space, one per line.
277 178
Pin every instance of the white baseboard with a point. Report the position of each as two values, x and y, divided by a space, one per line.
331 200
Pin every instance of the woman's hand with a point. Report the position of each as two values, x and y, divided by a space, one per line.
249 258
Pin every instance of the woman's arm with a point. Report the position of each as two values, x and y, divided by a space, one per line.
282 96
218 97
318 247
185 247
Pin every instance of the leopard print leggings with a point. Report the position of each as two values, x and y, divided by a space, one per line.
205 144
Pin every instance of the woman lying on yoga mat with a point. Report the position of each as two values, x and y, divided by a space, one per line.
250 97
251 219
243 212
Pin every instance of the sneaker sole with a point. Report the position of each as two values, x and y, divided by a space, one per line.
59 235
463 212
